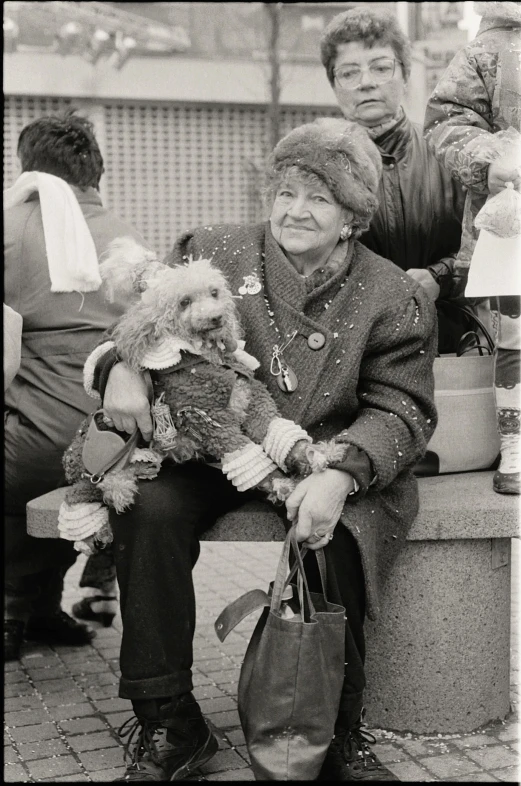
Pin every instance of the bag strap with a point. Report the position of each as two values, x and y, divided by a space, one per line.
278 585
321 560
130 444
257 599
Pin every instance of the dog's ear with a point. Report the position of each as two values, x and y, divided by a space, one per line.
125 268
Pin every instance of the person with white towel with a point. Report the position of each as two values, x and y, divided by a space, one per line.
55 229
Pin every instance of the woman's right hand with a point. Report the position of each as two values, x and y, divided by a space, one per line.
499 175
126 402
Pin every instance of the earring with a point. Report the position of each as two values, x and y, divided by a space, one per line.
345 232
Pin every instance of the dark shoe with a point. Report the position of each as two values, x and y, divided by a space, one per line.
84 611
507 482
169 742
58 628
349 758
13 638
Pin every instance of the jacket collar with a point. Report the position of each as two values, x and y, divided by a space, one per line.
88 197
282 281
395 142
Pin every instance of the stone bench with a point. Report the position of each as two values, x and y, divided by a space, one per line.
438 659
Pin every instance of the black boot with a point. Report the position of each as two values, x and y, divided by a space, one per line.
58 628
349 758
13 638
169 740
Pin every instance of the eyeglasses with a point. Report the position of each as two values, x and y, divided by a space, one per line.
381 71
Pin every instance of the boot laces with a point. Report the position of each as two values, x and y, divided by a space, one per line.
355 746
140 733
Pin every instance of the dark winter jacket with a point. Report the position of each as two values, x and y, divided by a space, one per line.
418 221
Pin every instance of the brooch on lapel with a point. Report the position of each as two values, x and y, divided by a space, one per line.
251 286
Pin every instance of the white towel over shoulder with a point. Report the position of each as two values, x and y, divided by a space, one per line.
71 253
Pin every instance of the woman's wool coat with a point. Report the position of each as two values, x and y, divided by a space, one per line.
372 378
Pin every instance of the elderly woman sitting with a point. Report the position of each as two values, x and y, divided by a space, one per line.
357 338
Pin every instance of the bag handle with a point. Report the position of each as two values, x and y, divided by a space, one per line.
477 321
321 560
256 599
130 444
278 585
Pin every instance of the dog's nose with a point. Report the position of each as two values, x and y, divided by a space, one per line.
217 322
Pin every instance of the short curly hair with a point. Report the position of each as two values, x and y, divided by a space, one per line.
369 27
64 146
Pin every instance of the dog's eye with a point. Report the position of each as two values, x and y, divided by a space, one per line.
185 302
214 293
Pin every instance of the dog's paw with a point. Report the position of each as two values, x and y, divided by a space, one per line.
119 489
324 454
281 489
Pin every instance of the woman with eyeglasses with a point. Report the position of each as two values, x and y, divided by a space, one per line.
417 226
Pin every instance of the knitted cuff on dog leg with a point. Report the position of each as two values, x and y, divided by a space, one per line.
77 521
281 436
247 466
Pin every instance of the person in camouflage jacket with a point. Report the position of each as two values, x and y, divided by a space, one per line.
480 94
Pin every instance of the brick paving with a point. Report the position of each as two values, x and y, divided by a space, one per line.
62 712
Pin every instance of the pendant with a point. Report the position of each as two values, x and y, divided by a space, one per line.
287 379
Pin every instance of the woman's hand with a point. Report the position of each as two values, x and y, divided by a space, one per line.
126 402
499 176
317 503
427 281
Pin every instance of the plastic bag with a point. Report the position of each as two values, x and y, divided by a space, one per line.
501 214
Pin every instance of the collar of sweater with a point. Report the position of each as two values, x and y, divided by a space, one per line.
283 282
172 351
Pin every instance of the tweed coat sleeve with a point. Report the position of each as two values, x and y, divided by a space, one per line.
458 115
397 415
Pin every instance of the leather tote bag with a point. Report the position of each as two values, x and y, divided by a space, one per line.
466 437
292 673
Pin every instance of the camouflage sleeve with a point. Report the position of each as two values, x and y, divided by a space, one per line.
458 115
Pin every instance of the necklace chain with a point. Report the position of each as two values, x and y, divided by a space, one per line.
277 349
279 368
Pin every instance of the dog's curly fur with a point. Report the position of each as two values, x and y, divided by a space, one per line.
217 407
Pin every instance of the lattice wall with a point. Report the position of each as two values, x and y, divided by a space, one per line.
170 167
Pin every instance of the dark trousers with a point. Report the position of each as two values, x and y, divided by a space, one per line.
156 545
99 571
34 567
34 571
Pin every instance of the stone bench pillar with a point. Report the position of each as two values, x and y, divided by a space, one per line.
438 658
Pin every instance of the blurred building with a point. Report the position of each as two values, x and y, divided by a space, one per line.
180 93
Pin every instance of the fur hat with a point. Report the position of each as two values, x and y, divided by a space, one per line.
341 154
